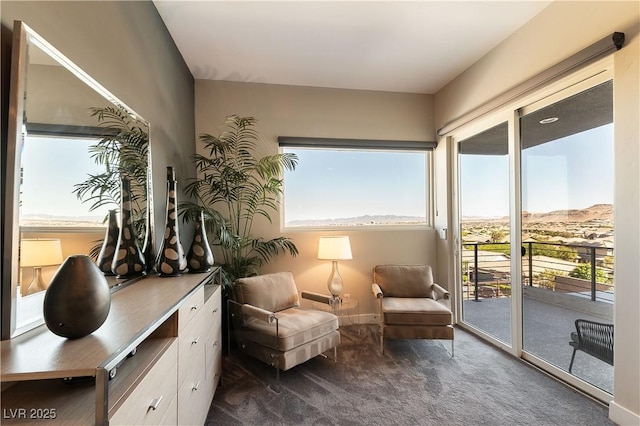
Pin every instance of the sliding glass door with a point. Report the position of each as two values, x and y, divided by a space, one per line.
483 164
567 230
535 244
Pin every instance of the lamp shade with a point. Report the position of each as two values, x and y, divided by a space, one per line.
334 248
40 252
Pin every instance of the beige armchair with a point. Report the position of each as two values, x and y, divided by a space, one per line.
411 305
268 323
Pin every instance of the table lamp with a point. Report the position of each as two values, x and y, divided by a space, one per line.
334 249
36 253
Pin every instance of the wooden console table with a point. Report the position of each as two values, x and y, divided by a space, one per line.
161 343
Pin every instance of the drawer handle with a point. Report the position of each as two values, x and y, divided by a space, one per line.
215 343
195 387
155 403
194 307
195 341
215 310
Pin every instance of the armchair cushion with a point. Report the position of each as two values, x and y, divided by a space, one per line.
404 280
271 292
295 327
415 311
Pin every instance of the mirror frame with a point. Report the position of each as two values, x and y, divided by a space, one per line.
22 36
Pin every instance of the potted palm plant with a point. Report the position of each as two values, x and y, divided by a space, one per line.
232 188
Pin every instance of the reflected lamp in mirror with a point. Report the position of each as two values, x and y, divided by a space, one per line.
334 249
36 254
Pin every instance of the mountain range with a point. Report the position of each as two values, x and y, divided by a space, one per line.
366 220
602 212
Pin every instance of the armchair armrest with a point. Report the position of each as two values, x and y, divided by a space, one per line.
440 293
377 291
254 311
317 297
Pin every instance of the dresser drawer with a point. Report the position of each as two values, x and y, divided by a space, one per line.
190 309
153 400
171 416
213 356
191 349
213 315
193 398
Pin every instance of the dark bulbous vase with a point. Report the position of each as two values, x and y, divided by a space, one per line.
78 299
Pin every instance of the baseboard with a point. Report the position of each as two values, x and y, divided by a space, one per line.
358 319
369 319
622 416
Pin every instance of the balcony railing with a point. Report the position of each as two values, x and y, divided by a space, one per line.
581 270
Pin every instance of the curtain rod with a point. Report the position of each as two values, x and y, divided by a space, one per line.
584 57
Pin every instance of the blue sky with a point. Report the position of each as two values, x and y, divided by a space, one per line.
347 183
574 172
54 166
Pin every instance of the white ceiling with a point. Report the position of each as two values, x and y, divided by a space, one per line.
414 46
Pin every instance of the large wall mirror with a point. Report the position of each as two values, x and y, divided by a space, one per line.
70 141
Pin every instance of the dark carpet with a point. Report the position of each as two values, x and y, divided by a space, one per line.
416 382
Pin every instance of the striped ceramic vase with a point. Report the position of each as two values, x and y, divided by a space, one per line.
171 258
200 256
128 260
108 249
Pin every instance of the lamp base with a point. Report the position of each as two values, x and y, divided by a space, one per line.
37 284
335 280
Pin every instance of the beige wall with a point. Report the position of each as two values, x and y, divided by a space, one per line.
559 31
627 215
333 113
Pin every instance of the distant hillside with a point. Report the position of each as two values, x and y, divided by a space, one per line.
596 212
366 220
48 220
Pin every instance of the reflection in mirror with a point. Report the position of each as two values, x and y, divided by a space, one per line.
70 143
122 152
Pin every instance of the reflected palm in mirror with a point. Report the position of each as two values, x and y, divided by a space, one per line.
121 153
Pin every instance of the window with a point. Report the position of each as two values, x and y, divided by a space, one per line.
351 187
51 166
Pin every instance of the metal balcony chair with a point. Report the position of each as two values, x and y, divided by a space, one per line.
593 338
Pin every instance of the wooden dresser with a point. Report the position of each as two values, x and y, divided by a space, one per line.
161 343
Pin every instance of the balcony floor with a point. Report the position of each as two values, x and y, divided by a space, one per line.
547 328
